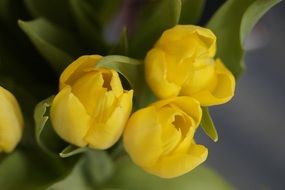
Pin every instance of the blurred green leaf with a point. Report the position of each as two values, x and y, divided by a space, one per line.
76 180
191 11
89 27
251 16
99 166
162 15
28 170
46 138
56 45
129 176
94 168
71 150
208 125
58 12
231 23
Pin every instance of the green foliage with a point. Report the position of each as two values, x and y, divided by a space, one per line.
129 176
231 23
56 45
164 14
62 31
191 11
29 170
208 125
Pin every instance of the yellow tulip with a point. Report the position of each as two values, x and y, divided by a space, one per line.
181 63
11 121
160 137
91 108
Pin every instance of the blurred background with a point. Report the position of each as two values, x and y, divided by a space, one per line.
250 152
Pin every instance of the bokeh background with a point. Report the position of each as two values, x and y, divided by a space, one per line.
250 152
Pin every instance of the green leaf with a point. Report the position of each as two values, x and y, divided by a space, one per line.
231 23
99 166
56 45
129 176
253 13
154 19
88 25
75 180
28 170
208 125
71 150
191 11
93 169
46 138
51 10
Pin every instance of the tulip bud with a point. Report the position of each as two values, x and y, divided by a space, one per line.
11 121
181 63
160 137
92 107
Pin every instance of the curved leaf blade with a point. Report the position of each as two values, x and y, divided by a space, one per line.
208 125
191 11
163 15
57 46
233 16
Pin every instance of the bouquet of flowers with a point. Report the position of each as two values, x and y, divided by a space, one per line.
109 94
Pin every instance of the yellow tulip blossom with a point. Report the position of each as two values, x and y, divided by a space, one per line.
11 121
160 137
91 108
181 63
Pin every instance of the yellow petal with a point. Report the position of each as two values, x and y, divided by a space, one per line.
11 121
187 104
103 135
181 34
178 164
171 134
142 137
89 90
156 75
223 91
69 117
77 68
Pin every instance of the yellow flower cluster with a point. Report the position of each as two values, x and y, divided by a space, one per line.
92 108
181 70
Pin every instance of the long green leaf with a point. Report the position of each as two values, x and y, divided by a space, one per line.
51 10
208 125
191 11
231 23
56 45
29 170
153 21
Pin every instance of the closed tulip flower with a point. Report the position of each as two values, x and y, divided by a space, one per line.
11 121
91 108
160 138
181 63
